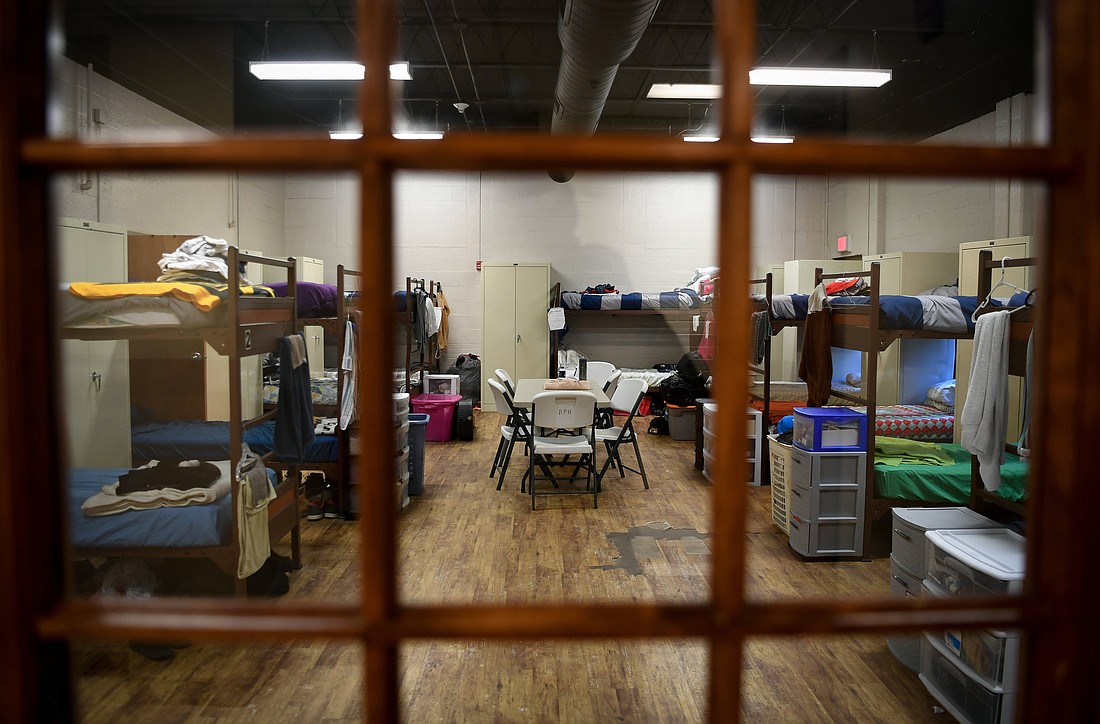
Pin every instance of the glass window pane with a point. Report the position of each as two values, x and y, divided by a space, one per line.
855 678
501 246
148 377
961 73
180 680
824 506
542 681
189 68
582 68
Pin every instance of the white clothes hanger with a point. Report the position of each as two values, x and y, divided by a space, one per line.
1002 282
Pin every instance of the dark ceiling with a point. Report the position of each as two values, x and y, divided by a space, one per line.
952 60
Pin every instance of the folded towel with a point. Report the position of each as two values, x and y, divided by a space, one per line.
108 502
297 350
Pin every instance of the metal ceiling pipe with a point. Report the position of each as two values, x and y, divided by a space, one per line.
596 36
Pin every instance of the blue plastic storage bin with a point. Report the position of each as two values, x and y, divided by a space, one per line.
418 426
830 429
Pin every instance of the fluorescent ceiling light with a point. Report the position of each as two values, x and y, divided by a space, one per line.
702 138
407 136
677 91
400 71
823 77
319 70
419 135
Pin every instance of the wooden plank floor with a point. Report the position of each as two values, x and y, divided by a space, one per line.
463 541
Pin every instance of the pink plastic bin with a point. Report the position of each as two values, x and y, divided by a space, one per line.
441 409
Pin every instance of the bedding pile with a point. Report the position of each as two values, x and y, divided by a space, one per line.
118 497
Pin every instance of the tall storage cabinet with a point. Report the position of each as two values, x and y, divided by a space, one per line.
515 335
909 367
96 375
1016 247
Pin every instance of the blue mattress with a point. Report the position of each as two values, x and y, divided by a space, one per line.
184 527
209 440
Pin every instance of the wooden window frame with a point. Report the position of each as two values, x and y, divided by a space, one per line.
1055 609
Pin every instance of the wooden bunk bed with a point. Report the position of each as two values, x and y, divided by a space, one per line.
869 325
237 326
636 311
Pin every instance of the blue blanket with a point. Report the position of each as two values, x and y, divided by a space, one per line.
935 313
209 440
184 527
678 299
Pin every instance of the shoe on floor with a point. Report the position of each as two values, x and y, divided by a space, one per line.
315 507
329 507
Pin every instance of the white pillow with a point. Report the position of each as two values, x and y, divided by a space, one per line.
943 392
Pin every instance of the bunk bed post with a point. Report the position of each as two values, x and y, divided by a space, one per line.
236 427
870 391
768 366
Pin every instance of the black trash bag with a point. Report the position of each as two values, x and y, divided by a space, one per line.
693 369
675 390
468 369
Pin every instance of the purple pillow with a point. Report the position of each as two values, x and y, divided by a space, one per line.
314 300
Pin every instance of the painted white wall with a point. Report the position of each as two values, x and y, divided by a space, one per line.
888 215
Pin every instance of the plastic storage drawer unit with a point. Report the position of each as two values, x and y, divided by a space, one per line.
829 429
989 655
976 562
958 690
905 584
908 542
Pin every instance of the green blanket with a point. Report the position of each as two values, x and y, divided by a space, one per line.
894 451
948 484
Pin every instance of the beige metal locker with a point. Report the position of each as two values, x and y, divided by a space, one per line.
96 375
798 278
1016 247
909 367
515 335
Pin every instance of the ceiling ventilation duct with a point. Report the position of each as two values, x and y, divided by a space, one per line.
596 36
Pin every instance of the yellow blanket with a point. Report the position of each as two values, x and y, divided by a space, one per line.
205 297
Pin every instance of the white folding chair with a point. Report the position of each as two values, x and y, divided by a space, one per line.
599 373
627 398
503 376
516 427
571 413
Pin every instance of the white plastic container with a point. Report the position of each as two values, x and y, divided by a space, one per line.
908 542
976 562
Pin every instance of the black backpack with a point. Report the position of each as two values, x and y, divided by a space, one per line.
693 369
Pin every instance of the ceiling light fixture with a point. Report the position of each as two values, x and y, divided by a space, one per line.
773 139
819 77
319 70
406 136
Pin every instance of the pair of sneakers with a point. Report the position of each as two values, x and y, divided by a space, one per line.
322 504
